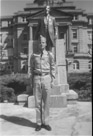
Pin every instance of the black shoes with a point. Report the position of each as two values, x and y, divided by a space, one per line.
47 127
38 128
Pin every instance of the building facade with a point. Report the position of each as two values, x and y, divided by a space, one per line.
72 24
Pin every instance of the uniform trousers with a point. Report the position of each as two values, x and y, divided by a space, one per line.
42 87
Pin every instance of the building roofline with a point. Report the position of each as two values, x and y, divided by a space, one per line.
75 11
90 14
6 17
36 6
22 13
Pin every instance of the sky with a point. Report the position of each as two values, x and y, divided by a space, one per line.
9 7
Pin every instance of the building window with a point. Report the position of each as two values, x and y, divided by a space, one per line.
90 21
9 22
61 35
25 36
90 65
90 35
25 50
8 67
75 17
74 33
24 19
0 38
4 23
90 48
20 19
75 65
75 50
34 28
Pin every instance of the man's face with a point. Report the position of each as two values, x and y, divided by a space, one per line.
42 43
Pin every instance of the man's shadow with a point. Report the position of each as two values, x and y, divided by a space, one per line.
19 121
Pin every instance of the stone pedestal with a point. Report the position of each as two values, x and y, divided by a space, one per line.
58 92
58 101
62 86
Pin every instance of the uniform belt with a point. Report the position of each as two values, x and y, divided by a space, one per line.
41 74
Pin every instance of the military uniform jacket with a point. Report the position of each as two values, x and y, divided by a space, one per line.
44 64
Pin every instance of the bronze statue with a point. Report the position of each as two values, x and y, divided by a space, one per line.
47 28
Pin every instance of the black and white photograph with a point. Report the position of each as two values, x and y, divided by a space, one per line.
46 67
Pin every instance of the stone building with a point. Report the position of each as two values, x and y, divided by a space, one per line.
73 25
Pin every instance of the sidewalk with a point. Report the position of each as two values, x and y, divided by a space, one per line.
74 120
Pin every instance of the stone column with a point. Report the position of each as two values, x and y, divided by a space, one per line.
69 38
15 51
30 33
30 46
80 36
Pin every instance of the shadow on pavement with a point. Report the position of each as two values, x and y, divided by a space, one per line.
18 120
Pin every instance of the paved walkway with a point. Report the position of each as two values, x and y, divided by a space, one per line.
74 120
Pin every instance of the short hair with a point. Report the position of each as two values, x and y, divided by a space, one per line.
41 37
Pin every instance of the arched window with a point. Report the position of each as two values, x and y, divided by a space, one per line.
89 65
75 64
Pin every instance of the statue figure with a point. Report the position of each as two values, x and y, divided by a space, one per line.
47 28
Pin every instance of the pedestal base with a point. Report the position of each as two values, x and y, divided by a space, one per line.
59 89
61 96
58 101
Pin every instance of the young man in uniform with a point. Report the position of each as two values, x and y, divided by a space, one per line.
42 74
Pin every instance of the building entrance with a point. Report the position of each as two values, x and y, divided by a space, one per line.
62 34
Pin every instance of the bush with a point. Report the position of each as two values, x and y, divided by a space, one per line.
18 82
82 84
7 94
